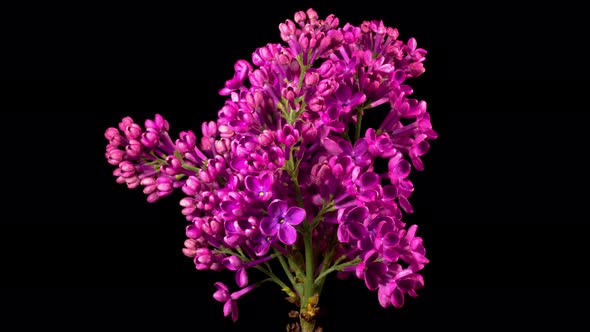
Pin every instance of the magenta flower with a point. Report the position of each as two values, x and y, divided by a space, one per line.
230 306
260 186
398 282
371 270
345 99
281 219
351 224
261 243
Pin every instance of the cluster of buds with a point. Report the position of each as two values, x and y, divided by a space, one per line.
287 173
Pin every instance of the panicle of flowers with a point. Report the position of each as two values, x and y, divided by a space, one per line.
287 172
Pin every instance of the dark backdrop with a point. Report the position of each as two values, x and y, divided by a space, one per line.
500 204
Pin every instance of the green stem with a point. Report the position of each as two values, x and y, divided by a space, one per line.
326 262
276 279
240 253
309 263
293 173
326 208
185 165
307 308
303 68
308 290
307 326
285 267
336 267
359 122
298 192
190 168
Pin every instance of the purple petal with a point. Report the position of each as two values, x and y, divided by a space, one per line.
295 215
358 98
358 214
269 226
266 181
227 308
397 298
418 281
287 234
337 126
342 233
389 192
344 92
406 187
412 231
417 245
370 256
233 240
262 248
402 170
234 310
232 263
236 295
193 232
406 284
421 148
417 162
277 209
238 164
391 255
369 179
221 286
391 239
378 268
359 270
379 222
399 76
371 280
417 262
360 147
399 271
229 206
366 243
368 195
332 147
222 293
345 146
245 225
405 204
383 297
221 296
241 278
230 227
252 184
357 230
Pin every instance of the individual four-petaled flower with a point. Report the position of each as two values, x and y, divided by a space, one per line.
280 221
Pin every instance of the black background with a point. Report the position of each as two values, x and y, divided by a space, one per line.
500 205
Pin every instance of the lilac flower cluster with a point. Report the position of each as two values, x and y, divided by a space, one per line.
288 172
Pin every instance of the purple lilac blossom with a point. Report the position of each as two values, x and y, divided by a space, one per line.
287 153
281 220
